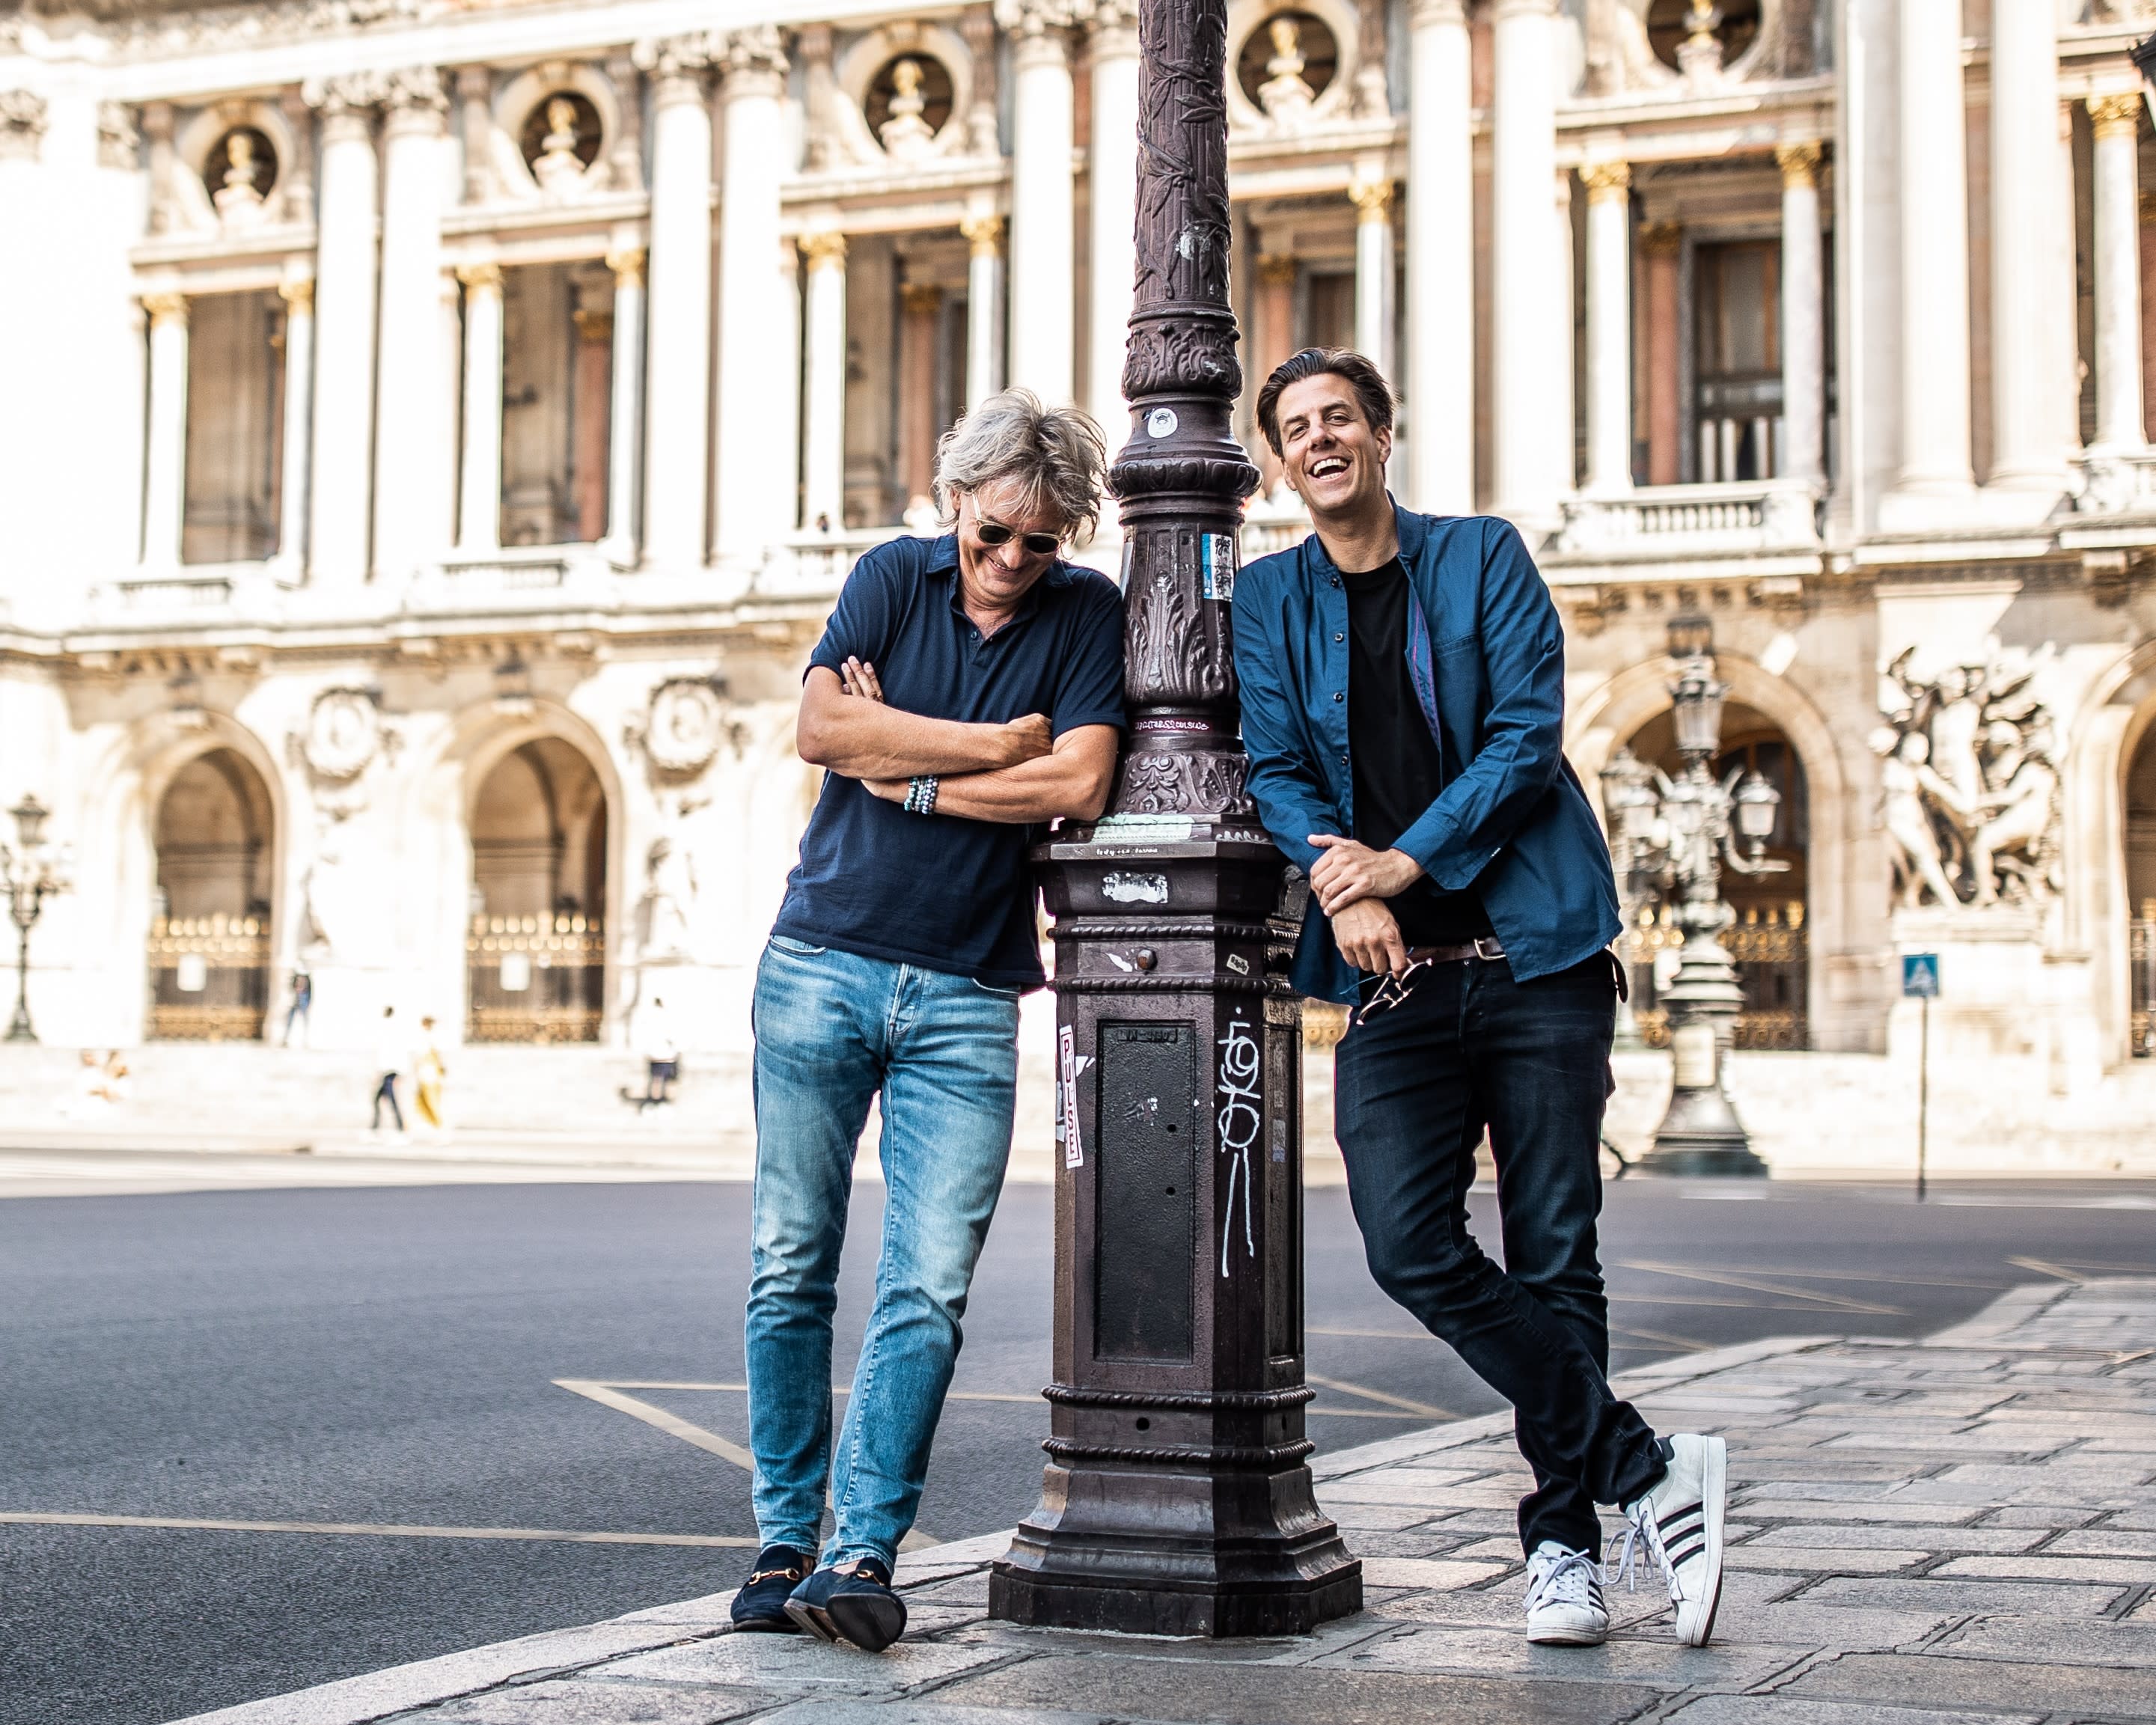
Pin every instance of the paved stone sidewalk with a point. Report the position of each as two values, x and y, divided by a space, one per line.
1957 1530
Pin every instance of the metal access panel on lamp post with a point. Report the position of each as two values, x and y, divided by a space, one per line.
1177 1499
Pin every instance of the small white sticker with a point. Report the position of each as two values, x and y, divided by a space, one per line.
1162 421
1136 889
194 973
1144 829
1238 964
1074 1150
1217 555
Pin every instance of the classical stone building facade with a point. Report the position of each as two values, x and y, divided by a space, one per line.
434 431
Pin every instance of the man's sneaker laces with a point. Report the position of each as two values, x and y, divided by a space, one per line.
1573 1579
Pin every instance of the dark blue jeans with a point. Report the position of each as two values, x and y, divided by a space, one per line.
1415 1089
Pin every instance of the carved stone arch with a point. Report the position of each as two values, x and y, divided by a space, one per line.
195 142
1848 897
124 827
514 102
2116 720
1337 100
445 791
868 54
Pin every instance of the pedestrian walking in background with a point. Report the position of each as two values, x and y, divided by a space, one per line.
430 1073
662 1057
968 689
300 1012
391 1055
1403 687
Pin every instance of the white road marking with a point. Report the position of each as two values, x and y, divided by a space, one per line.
26 1518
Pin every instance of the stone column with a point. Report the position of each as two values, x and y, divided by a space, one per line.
165 487
297 175
2031 295
340 474
298 295
1934 197
977 24
626 422
984 308
677 436
823 405
752 510
2118 422
588 457
479 516
1373 270
1440 334
1043 255
921 307
1528 317
412 435
1272 343
1609 326
1112 34
475 130
2147 205
1663 242
1804 316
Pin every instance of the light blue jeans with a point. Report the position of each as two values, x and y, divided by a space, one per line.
833 1030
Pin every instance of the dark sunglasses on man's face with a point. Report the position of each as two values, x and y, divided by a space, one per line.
995 533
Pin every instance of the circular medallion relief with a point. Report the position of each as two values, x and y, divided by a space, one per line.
343 732
686 723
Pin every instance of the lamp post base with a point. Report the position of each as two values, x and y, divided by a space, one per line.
1263 1579
1701 1134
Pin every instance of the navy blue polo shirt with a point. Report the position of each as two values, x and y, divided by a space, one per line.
940 890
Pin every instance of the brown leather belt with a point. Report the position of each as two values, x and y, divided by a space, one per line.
1485 947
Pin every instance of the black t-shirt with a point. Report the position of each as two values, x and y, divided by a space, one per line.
1399 770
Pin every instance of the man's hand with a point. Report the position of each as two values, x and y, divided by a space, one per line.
1030 738
1370 938
1349 873
1022 739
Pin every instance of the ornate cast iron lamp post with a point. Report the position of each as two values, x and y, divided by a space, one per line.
1675 837
1176 1499
33 873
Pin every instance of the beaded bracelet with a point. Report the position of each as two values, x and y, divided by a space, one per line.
921 795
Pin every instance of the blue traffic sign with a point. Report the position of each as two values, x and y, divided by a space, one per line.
1920 976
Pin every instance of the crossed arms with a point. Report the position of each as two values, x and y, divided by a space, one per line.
1015 772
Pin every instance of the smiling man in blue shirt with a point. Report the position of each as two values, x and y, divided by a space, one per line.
1402 689
968 690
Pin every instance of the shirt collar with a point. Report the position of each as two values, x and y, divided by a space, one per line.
944 560
1409 528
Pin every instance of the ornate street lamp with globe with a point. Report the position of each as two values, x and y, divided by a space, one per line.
1671 838
32 871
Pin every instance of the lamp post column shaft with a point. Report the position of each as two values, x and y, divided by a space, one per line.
1176 1499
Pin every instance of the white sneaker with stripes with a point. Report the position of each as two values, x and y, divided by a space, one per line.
1564 1597
1679 1524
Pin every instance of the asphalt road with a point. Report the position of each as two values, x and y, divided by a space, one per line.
386 1361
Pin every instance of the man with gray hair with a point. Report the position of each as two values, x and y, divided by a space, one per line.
969 689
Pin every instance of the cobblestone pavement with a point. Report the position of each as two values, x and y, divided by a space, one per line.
1957 1530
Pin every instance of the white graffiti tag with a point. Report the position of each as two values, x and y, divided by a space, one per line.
1241 1116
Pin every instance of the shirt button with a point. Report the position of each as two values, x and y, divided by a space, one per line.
1343 757
1336 581
1339 637
1339 696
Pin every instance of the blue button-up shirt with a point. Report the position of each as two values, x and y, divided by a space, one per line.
1512 821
